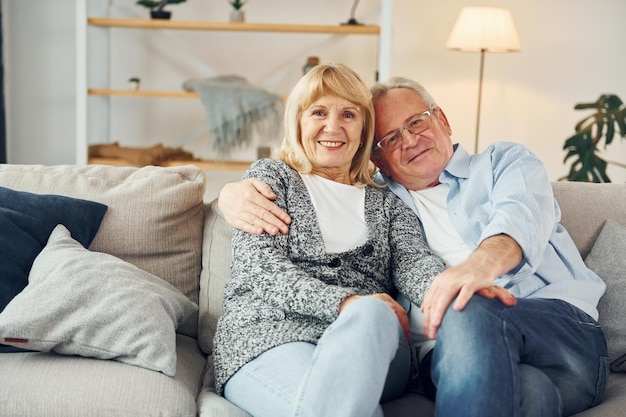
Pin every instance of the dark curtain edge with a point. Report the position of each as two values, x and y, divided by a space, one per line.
3 130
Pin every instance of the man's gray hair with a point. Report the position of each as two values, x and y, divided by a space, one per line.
380 88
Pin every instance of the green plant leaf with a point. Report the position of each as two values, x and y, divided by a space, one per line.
582 147
237 4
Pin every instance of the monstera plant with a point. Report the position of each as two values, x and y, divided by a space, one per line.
594 130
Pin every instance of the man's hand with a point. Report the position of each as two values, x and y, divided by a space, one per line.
393 304
439 297
494 257
458 282
247 205
500 293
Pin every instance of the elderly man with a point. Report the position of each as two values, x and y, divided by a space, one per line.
494 220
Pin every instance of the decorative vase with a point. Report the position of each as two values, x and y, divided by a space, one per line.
237 15
160 14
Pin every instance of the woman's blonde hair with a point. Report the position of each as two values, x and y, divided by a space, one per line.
324 80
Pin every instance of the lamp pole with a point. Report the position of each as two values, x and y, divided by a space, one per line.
482 29
480 94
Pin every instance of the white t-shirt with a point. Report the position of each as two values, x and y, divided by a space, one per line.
340 210
441 236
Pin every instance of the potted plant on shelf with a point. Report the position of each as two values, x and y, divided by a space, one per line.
156 7
237 15
609 118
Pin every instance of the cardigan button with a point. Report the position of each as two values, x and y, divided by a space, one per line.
335 263
368 250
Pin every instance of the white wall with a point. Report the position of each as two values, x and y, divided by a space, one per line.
571 53
39 75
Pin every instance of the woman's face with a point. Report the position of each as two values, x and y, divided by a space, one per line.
331 135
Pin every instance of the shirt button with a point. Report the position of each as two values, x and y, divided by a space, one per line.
335 263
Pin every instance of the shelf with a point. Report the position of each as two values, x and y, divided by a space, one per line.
141 93
200 163
146 93
338 29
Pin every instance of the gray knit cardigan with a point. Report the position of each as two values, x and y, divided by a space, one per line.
286 288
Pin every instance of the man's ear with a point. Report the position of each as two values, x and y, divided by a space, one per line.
442 117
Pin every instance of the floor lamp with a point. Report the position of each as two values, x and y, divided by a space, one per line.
483 29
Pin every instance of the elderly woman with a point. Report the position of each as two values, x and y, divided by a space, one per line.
310 324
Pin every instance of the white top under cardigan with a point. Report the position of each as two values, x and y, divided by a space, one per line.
340 212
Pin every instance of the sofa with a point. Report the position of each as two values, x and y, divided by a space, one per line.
121 300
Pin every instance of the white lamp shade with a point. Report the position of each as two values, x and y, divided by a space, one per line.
484 28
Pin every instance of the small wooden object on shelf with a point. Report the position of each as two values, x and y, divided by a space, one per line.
205 164
159 155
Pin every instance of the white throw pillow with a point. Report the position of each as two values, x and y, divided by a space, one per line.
92 304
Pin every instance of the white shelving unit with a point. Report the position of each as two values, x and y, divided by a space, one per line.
83 22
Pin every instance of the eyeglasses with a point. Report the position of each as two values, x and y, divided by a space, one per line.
418 124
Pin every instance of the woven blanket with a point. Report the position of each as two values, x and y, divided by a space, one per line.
235 109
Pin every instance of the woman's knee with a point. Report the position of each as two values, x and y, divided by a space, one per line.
368 313
268 385
368 323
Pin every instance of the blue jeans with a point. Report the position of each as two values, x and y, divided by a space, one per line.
539 358
361 358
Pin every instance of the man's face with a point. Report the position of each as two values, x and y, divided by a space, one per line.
420 159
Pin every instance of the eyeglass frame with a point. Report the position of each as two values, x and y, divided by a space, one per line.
428 113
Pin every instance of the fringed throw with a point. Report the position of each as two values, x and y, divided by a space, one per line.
235 109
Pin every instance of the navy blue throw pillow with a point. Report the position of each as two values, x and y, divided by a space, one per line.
26 222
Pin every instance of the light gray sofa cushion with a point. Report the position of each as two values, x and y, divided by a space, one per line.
92 304
155 216
50 385
614 402
585 206
608 259
210 404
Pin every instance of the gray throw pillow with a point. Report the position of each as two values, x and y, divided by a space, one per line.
608 259
92 304
26 221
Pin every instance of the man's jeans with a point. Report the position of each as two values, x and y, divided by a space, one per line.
539 358
361 357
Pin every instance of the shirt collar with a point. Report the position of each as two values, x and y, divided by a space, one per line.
459 164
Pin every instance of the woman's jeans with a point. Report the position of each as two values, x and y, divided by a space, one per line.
360 355
539 358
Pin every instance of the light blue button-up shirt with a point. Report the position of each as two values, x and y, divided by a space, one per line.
505 190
